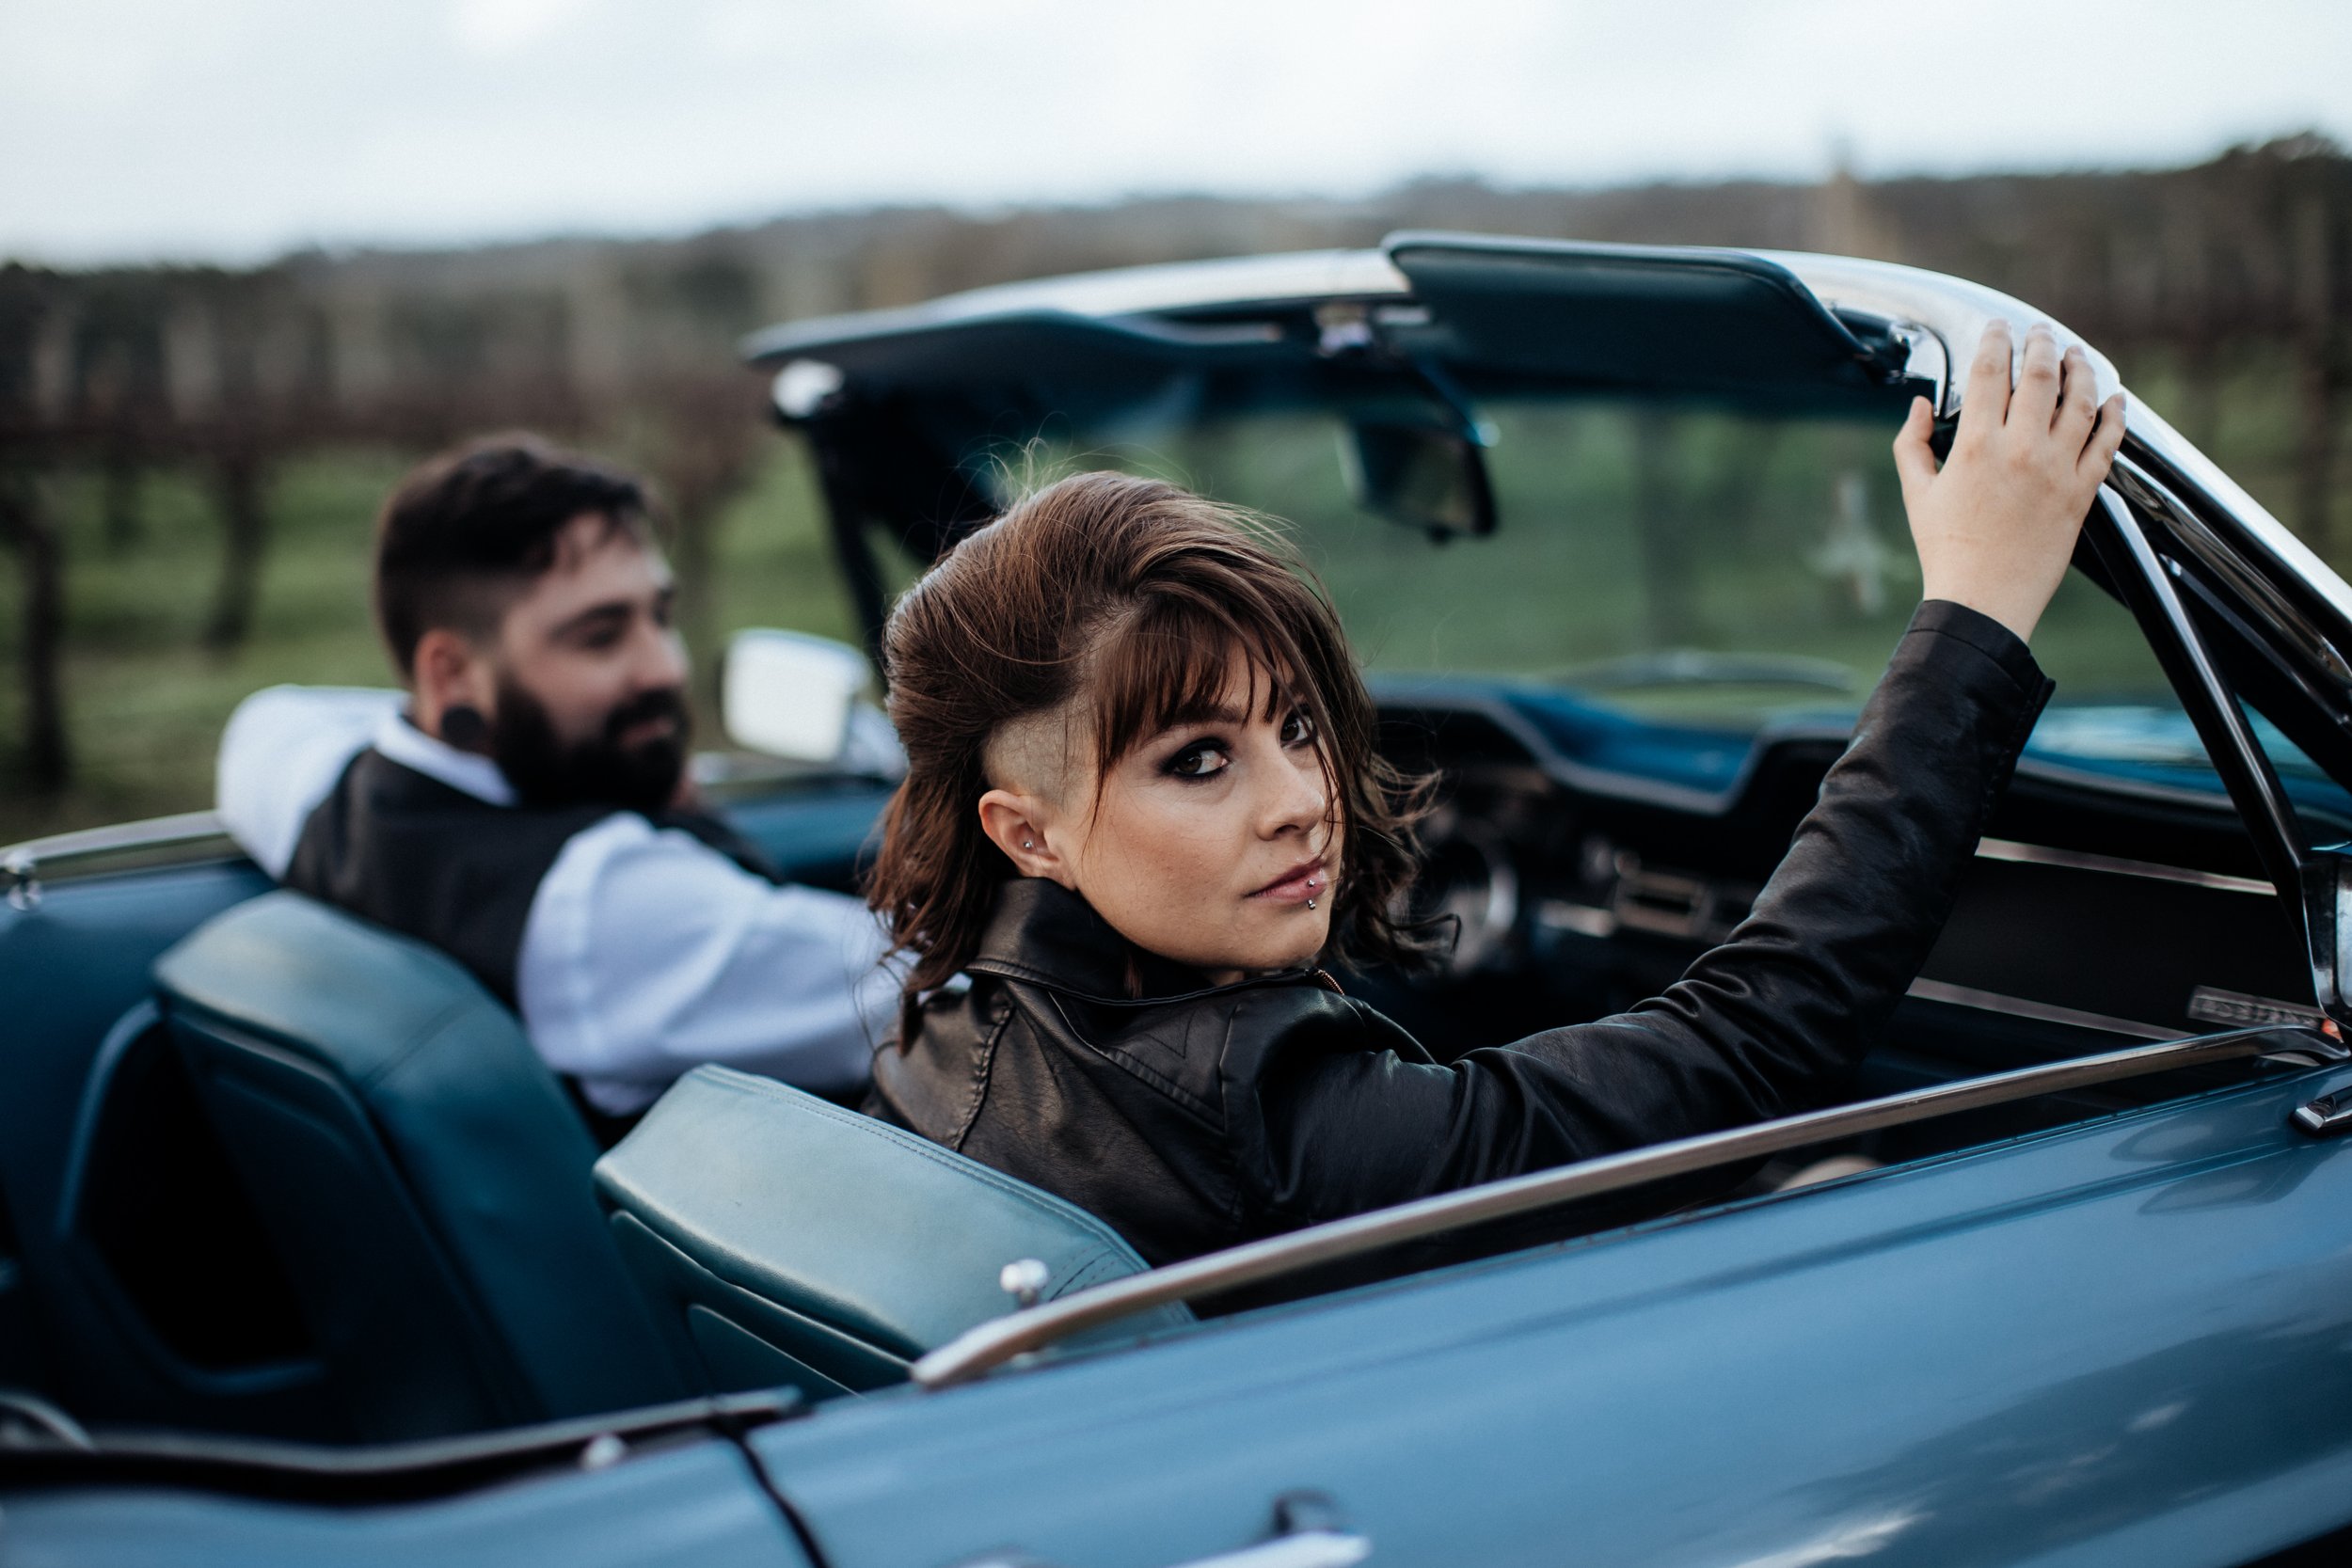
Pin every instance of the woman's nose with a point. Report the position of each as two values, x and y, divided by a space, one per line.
1301 798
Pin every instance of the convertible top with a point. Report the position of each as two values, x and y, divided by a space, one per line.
1344 329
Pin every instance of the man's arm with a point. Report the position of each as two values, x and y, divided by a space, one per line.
646 952
280 755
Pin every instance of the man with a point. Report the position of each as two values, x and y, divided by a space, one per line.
525 809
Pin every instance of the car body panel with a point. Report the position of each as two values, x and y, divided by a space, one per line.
695 1506
2127 1330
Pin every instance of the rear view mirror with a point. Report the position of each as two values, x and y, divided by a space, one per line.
787 694
1419 475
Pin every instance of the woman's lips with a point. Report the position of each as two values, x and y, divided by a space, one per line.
1296 885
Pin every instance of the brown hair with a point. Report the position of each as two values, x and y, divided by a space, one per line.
1138 594
469 530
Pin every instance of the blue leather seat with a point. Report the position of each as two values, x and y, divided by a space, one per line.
422 1176
792 1242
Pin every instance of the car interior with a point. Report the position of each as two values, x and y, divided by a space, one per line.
271 1172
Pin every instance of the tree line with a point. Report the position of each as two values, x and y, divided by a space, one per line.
224 375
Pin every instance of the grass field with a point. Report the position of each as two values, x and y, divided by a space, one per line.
1750 514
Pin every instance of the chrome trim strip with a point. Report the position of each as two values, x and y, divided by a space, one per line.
21 865
2042 1012
2041 854
154 833
995 1343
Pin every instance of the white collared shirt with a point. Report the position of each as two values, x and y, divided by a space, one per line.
646 951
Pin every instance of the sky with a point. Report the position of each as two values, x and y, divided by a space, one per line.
233 130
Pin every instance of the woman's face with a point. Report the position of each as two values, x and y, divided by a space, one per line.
1212 844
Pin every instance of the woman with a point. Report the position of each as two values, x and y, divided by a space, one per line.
1143 803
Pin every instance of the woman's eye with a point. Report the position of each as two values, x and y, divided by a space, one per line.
1298 730
1198 761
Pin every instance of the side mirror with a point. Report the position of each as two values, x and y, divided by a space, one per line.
1422 475
787 694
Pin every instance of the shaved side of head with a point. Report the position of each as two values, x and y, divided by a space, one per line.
1038 754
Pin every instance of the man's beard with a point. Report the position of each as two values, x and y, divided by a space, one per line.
599 771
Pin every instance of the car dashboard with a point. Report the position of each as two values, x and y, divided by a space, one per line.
1588 857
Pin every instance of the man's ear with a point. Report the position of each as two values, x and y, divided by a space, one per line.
1019 824
450 671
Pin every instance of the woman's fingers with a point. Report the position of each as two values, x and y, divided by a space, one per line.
2107 439
1985 403
2034 405
2078 399
1915 460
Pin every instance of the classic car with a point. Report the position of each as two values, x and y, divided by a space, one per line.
306 1259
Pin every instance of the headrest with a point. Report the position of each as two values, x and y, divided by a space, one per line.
844 1218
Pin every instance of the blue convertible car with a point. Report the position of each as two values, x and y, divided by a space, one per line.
304 1256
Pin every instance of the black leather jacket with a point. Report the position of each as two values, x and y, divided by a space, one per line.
1195 1116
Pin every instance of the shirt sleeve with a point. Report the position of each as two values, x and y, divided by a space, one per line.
648 952
280 755
1768 1024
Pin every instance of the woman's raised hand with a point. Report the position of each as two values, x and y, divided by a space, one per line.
1994 526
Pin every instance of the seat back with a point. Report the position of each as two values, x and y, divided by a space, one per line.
794 1241
424 1177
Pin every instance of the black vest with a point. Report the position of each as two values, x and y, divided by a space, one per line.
396 846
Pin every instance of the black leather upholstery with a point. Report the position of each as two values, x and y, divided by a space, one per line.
421 1171
794 1241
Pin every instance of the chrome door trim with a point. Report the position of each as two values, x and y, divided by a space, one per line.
2073 860
993 1345
2042 1012
23 865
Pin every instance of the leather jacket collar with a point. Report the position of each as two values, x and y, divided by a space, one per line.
1046 935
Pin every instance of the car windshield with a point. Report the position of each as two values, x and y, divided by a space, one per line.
1707 573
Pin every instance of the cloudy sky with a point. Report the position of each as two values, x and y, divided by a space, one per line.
233 129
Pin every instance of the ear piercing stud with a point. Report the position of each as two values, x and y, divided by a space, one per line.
1029 843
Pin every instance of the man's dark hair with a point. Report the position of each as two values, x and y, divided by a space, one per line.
470 529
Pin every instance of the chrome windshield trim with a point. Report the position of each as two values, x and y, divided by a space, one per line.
995 1343
2075 860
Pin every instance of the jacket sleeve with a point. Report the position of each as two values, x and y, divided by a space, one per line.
1770 1023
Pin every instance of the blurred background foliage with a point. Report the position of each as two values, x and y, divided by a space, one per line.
190 458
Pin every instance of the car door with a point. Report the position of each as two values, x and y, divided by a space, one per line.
2120 1341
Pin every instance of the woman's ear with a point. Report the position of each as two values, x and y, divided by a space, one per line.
1017 823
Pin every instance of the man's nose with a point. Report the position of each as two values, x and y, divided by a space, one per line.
660 660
